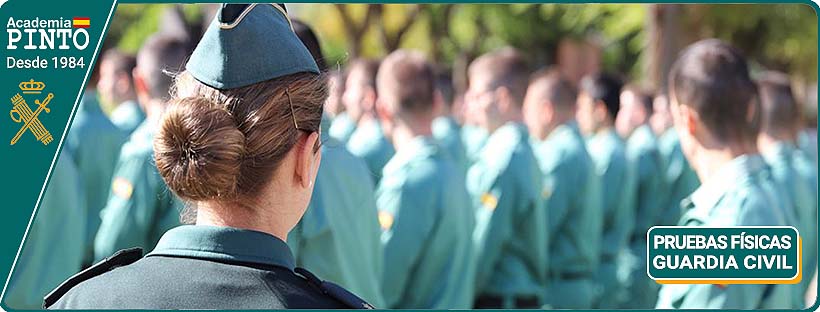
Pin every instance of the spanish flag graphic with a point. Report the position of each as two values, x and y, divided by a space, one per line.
81 22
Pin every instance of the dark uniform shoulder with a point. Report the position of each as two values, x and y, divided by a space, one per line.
335 291
118 259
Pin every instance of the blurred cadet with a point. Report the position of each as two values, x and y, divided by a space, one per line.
712 102
632 123
94 144
336 87
140 208
358 98
446 129
598 104
338 238
223 146
116 88
52 251
424 209
473 138
791 168
505 186
367 141
680 179
570 191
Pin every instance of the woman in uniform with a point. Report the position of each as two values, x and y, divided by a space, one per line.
239 142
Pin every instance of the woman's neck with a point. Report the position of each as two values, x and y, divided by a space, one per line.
238 216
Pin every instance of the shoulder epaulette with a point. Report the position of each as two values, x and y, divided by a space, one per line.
335 291
118 259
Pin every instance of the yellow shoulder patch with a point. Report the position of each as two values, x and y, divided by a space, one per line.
489 201
122 188
385 220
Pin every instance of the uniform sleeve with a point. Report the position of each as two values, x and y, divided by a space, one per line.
129 215
407 216
557 193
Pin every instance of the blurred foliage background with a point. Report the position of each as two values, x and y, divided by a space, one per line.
637 40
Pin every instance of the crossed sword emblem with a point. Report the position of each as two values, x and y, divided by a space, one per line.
29 118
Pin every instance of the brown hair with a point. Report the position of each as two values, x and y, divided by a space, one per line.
552 86
407 79
224 145
507 68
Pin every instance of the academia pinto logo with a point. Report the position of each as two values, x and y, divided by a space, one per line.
724 255
21 112
30 37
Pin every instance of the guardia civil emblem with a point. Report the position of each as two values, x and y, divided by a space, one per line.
21 112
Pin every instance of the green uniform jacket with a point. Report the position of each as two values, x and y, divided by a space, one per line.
128 116
338 237
511 222
650 189
341 128
448 134
369 143
679 176
427 224
803 202
53 250
573 201
140 206
742 193
94 144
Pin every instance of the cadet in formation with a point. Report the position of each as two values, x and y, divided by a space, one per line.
446 130
711 95
505 185
94 144
570 192
140 208
223 146
116 89
680 179
777 142
650 188
597 105
424 209
338 238
367 141
52 251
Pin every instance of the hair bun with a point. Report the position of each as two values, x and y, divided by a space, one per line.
198 150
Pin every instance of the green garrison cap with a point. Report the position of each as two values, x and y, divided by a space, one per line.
247 44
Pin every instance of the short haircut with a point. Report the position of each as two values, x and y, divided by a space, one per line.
159 58
368 68
553 87
506 68
311 42
641 95
605 88
120 61
406 78
712 77
779 110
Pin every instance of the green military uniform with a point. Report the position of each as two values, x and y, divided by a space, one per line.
511 222
573 202
650 194
140 207
338 238
127 116
369 143
49 255
473 138
608 153
782 160
681 180
342 128
448 134
807 141
741 193
427 224
94 144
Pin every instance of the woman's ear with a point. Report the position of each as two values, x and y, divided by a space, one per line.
307 159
